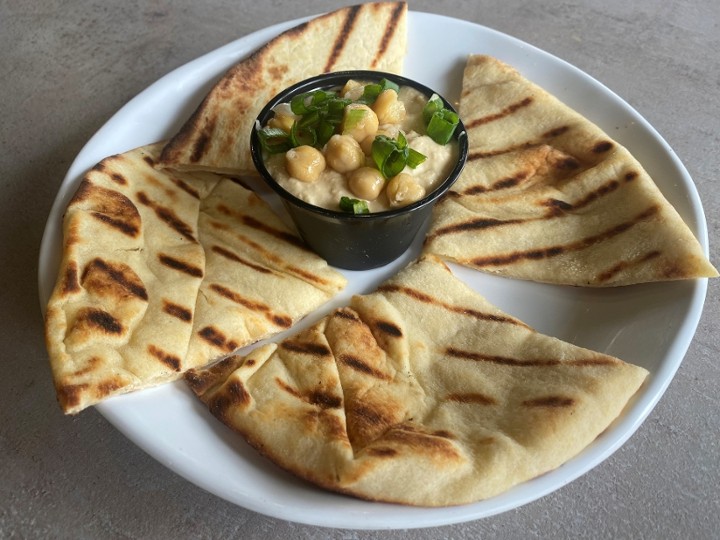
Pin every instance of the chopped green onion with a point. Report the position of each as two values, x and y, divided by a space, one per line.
353 117
324 131
442 126
300 136
373 90
299 103
370 93
392 155
433 105
440 122
274 140
337 105
311 101
389 158
415 158
309 119
401 141
320 112
394 164
389 85
356 206
321 96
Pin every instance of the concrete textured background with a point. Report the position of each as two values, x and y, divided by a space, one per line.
67 66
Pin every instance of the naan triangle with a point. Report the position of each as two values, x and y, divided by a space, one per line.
420 393
217 136
548 196
164 271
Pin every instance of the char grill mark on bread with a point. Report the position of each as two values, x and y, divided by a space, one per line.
359 365
177 311
70 283
391 29
216 338
98 320
235 258
388 328
187 188
170 360
250 221
323 400
549 401
507 111
167 216
341 39
555 250
309 348
180 265
524 362
282 321
428 299
109 206
114 279
120 224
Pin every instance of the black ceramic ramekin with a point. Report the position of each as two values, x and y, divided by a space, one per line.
355 241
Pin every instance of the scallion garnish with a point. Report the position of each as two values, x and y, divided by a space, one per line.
299 104
324 131
274 140
442 126
373 90
440 122
354 116
392 155
433 105
300 136
356 206
388 155
320 112
415 158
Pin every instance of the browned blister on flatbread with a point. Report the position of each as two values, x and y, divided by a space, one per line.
420 393
548 196
217 136
144 251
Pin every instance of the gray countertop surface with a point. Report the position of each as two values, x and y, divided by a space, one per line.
68 66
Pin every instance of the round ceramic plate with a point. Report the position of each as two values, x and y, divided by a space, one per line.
648 325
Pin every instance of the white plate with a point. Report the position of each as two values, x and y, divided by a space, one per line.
649 325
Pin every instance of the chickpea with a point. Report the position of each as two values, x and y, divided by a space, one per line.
304 163
388 108
352 90
359 121
282 121
343 153
366 144
402 189
283 117
366 183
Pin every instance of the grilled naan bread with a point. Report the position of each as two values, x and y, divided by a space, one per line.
547 196
217 136
259 277
162 272
420 393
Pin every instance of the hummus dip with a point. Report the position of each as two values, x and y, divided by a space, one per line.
331 185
